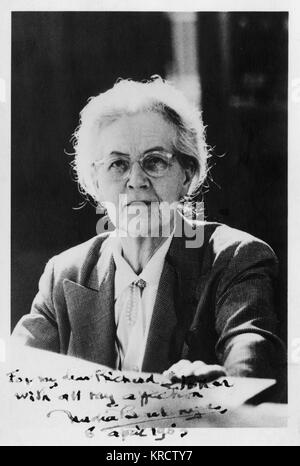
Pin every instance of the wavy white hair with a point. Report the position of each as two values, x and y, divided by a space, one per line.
128 97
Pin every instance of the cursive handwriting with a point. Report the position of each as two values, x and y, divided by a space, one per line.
127 405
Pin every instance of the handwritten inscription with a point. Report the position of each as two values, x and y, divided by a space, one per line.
126 406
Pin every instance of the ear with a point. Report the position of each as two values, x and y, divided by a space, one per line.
189 173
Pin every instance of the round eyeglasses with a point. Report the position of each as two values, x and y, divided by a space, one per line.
117 167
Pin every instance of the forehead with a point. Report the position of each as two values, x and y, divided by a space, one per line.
135 134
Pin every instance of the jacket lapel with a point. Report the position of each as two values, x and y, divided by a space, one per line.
175 303
163 323
91 314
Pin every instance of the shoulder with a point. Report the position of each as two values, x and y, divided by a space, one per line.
223 244
222 237
239 249
78 260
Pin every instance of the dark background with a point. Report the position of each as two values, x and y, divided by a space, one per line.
60 59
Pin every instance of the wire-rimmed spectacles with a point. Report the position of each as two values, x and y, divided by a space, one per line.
118 166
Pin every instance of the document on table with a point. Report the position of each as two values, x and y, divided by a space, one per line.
48 395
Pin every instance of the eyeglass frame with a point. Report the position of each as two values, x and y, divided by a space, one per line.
169 155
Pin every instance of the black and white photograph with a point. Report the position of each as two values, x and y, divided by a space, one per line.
147 295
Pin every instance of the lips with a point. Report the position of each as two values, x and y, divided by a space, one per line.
142 202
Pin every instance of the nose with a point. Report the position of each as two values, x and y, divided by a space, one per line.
137 178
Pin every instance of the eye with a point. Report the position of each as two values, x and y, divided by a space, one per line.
156 162
118 165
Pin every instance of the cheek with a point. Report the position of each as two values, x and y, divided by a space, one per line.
107 192
170 190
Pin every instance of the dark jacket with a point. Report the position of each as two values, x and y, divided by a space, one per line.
214 303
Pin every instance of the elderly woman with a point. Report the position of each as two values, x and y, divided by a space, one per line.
162 292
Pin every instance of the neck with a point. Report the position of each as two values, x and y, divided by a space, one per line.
138 251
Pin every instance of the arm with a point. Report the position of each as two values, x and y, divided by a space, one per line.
245 319
39 328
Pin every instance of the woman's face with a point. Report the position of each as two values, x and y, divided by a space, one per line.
137 202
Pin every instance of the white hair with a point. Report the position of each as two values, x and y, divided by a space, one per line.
128 97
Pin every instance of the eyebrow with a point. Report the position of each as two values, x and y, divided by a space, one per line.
115 152
156 148
152 149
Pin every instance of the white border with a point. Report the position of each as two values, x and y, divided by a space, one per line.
282 436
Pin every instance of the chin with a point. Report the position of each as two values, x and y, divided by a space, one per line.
142 229
145 223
